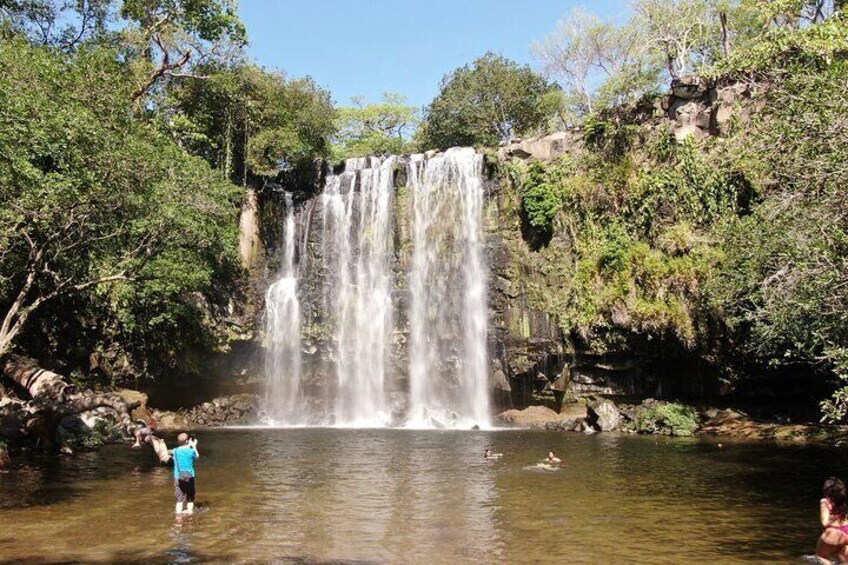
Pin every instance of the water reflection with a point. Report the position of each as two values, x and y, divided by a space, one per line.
400 496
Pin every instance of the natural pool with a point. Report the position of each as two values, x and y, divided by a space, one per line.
400 496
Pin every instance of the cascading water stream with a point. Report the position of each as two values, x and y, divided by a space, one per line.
357 213
449 315
354 323
283 398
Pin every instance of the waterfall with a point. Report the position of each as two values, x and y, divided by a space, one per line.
283 399
357 211
448 315
354 370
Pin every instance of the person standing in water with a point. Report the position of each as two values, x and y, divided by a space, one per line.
833 512
184 473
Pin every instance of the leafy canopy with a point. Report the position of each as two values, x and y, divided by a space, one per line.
486 102
100 210
247 122
384 127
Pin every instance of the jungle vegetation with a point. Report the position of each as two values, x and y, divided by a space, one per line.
129 129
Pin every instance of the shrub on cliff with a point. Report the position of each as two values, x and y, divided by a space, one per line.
783 290
666 419
637 237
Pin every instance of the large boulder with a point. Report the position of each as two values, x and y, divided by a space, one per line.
530 417
173 422
690 87
572 416
542 417
604 415
133 396
546 148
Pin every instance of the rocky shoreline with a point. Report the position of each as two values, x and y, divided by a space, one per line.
589 416
651 417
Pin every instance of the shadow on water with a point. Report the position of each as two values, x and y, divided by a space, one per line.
45 479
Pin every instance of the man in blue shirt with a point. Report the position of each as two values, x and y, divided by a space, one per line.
184 457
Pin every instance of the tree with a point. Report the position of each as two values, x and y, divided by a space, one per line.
484 103
574 52
98 206
160 39
64 25
684 31
170 37
247 121
597 62
380 128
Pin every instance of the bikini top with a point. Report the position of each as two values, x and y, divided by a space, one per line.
843 528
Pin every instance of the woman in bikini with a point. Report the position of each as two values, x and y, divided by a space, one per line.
833 511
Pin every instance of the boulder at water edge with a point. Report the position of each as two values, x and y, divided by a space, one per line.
530 417
604 415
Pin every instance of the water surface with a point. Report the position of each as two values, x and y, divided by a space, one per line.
402 496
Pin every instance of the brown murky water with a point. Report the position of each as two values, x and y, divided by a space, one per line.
398 496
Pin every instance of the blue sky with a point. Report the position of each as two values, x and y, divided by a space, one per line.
367 47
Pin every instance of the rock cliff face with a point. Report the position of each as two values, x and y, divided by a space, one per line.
693 107
531 361
543 365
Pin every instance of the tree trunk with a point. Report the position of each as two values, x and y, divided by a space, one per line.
53 398
160 448
725 36
37 382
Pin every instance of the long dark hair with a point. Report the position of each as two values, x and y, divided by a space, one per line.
835 491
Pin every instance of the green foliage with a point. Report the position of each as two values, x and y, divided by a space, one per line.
88 194
208 20
782 291
484 103
607 136
666 419
543 190
636 241
102 433
822 43
246 121
374 129
691 190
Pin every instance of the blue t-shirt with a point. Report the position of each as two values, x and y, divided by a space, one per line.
184 461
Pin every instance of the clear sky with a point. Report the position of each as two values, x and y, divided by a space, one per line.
367 47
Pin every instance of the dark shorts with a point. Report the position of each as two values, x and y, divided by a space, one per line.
184 490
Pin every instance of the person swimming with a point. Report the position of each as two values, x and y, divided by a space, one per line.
490 455
833 513
552 459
